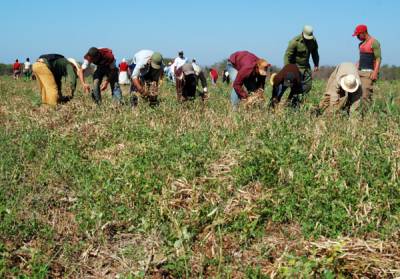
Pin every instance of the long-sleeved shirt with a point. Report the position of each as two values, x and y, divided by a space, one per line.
141 59
299 52
245 63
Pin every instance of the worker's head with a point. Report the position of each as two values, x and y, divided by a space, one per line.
123 60
349 83
262 67
308 32
27 59
16 60
180 54
156 61
361 32
92 55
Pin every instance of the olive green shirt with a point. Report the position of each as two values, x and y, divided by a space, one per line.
299 52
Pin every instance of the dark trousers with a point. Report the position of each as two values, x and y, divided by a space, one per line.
189 87
111 73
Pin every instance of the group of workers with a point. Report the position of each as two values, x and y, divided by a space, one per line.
349 86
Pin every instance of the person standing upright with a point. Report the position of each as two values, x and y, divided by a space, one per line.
299 51
176 68
27 69
16 69
369 63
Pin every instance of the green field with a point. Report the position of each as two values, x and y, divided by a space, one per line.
197 190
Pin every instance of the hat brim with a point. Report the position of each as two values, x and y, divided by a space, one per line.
155 66
348 89
271 80
308 37
263 73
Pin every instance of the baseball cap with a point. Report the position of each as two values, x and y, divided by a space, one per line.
156 60
360 29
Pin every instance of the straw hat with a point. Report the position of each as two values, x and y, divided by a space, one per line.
263 67
349 83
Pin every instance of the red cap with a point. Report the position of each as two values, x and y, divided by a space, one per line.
360 29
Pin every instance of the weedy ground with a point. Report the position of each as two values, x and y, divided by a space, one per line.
197 190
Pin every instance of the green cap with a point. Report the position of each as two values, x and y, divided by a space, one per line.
156 60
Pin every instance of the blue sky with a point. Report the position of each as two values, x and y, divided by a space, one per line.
209 30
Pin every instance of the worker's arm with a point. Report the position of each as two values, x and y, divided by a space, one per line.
85 66
239 82
315 56
203 79
378 60
138 85
71 79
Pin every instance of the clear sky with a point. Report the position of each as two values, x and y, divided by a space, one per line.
209 30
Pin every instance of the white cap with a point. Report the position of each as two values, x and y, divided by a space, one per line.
123 60
349 83
308 32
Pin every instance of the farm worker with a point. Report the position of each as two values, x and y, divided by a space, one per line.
16 69
369 63
176 68
49 70
27 69
146 76
288 77
225 76
191 73
202 77
104 59
299 51
249 71
123 72
213 76
343 90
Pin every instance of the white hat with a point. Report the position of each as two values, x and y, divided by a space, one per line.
308 32
123 60
73 62
349 83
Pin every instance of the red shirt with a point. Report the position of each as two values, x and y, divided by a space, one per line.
16 66
123 67
244 62
214 74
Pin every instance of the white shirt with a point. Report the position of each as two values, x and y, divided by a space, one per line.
178 62
85 64
140 59
27 65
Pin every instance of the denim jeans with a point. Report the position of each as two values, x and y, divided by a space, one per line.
232 74
112 74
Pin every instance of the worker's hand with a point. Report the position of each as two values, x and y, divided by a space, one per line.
104 86
86 87
316 69
374 76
